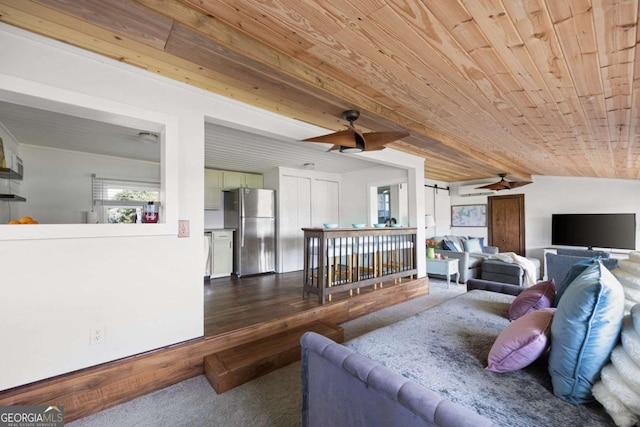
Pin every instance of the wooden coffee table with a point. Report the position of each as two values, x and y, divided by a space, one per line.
445 267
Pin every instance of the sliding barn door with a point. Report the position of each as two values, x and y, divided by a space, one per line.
505 218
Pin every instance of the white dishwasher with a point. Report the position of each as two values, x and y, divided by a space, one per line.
222 253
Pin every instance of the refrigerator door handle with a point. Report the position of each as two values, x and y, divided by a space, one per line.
242 226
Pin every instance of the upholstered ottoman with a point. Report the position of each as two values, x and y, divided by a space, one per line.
504 272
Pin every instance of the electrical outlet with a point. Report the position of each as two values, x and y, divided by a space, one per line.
183 228
97 335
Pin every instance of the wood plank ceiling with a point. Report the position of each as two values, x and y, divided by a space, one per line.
545 87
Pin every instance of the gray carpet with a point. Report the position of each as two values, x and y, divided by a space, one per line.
272 400
445 349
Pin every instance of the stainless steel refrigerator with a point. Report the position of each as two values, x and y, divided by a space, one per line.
251 212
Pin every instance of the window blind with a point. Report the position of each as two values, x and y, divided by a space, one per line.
123 192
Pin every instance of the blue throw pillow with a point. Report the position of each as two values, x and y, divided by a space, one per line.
449 246
575 270
584 331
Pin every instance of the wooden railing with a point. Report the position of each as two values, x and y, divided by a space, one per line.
344 259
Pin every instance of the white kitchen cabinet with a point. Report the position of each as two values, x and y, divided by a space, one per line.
253 180
212 189
216 181
231 180
222 253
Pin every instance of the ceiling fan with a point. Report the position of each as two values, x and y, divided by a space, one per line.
504 184
352 140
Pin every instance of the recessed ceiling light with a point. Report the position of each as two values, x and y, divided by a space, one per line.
148 137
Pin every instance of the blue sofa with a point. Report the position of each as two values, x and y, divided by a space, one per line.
428 370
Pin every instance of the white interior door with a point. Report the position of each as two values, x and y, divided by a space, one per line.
443 212
326 203
295 213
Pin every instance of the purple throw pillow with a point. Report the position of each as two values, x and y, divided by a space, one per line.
540 295
522 342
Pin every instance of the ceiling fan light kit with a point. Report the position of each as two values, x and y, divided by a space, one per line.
358 148
504 184
352 140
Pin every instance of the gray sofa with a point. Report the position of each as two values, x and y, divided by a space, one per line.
559 264
470 263
428 370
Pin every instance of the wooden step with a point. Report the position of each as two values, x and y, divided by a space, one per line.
237 365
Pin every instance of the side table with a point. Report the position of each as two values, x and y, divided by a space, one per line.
445 267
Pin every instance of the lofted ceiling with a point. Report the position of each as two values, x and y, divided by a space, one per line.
544 87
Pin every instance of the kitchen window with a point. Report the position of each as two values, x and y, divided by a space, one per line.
121 201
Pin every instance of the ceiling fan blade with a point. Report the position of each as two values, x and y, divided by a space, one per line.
504 184
496 186
377 140
514 184
345 138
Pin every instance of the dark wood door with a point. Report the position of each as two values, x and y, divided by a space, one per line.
505 218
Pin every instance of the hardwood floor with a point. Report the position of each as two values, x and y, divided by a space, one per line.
232 303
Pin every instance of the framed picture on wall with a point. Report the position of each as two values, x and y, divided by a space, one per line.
469 216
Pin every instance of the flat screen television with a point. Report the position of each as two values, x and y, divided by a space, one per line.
616 231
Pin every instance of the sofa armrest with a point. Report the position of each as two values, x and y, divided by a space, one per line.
488 285
342 387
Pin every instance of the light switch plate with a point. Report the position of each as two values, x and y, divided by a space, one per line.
183 228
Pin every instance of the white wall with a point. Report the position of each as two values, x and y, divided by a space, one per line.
140 283
438 204
214 218
356 202
549 195
57 183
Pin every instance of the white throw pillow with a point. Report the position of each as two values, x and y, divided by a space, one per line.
472 245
